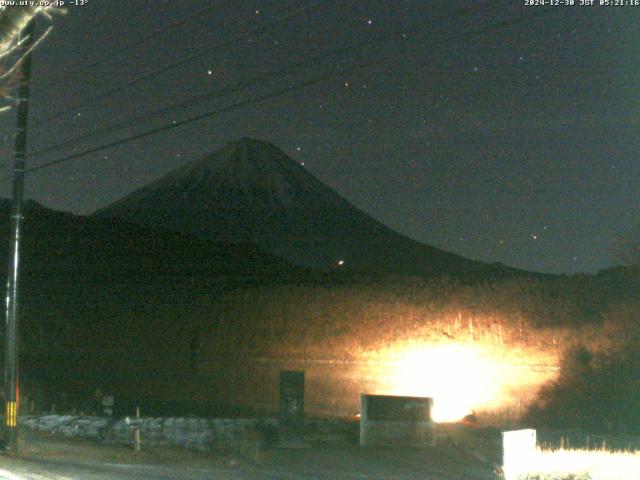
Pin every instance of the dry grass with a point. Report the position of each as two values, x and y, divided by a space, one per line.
574 464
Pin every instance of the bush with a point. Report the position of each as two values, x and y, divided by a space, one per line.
599 392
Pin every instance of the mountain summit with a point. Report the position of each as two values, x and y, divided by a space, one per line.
250 191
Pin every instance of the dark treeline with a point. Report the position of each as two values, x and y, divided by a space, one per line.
115 306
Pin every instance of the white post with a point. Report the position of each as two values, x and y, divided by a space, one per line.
136 432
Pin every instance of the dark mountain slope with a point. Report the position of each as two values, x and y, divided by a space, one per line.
94 292
250 191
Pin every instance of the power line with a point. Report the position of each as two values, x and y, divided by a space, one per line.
128 45
280 92
288 69
253 31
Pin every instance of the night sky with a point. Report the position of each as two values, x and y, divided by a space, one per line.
515 145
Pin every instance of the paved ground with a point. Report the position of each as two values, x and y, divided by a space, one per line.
47 458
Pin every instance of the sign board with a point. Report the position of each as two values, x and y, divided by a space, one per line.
396 421
107 404
291 399
518 452
406 409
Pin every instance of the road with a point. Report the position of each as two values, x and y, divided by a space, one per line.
54 470
47 470
52 458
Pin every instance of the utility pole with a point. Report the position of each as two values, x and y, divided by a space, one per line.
11 393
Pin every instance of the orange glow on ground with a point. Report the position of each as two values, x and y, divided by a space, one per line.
458 378
461 377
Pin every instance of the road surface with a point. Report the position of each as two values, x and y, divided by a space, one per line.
52 458
46 469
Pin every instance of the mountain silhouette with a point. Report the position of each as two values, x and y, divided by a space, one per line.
249 191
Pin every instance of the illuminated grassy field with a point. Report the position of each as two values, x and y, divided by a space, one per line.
463 377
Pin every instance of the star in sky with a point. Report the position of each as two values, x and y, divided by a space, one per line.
494 160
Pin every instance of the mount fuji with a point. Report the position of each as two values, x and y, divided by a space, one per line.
249 191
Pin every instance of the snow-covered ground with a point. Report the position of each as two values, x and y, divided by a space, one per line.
186 432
